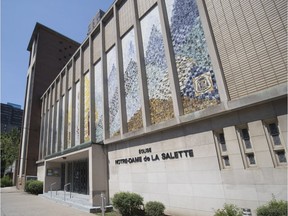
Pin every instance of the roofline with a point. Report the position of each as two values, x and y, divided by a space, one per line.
39 26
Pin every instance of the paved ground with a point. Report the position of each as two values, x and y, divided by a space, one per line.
17 203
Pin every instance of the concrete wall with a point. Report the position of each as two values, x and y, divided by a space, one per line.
41 172
198 185
53 178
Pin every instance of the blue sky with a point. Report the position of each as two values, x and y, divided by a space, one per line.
18 18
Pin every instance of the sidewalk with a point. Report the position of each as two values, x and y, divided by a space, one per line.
18 203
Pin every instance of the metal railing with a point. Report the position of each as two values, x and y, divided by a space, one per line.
51 188
65 190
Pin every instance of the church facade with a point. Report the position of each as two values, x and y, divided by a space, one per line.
183 102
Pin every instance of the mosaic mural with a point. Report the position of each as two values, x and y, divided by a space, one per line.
131 82
48 130
160 100
196 77
77 114
113 95
62 119
98 82
51 130
87 107
57 126
69 119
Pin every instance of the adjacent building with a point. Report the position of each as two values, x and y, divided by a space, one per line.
181 101
11 117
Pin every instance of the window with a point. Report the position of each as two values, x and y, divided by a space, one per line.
274 139
246 146
274 132
222 149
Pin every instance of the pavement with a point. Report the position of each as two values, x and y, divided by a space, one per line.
18 203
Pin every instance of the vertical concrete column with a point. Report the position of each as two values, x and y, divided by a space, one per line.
98 174
73 89
92 92
25 125
212 47
65 117
141 67
41 130
121 92
105 84
82 94
169 53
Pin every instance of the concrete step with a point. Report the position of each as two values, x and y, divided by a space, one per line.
79 201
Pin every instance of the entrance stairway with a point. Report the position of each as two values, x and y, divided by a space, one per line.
79 201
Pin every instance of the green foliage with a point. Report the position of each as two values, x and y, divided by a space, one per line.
128 204
154 208
9 147
229 210
273 208
34 187
27 185
6 182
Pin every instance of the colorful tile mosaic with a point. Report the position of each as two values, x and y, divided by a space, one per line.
87 107
113 93
131 82
98 83
77 114
197 81
160 98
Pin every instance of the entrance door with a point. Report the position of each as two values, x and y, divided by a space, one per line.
78 176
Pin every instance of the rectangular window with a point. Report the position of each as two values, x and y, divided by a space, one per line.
275 142
221 147
246 146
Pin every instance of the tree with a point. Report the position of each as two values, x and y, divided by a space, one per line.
9 148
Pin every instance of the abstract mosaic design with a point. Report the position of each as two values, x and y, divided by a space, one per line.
51 130
98 82
113 96
160 100
87 107
196 77
77 114
69 120
57 125
131 82
62 119
48 131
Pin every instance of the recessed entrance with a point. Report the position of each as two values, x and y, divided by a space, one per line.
76 173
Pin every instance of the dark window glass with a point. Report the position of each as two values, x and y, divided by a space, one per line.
281 156
221 138
273 129
226 161
222 142
251 159
245 134
276 140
